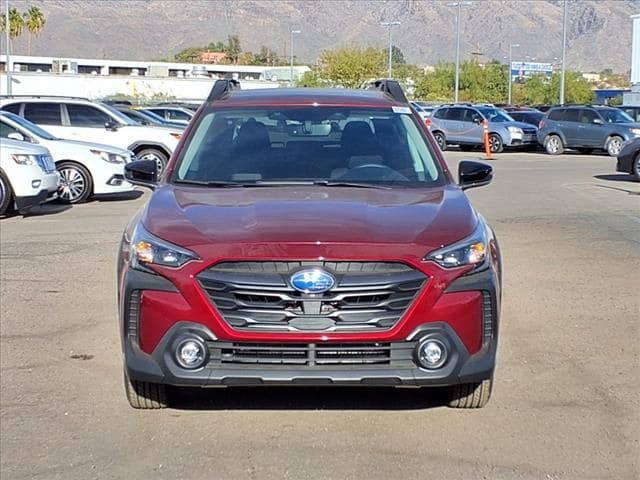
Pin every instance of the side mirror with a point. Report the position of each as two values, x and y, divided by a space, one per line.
111 125
143 173
16 136
473 174
597 121
477 120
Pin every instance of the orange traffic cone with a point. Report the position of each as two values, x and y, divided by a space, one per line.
487 144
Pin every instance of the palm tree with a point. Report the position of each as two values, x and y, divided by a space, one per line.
34 21
16 23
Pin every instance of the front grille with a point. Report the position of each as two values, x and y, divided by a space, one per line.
258 296
46 163
311 355
529 131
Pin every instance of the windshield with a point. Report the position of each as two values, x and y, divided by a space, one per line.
613 115
27 125
119 115
495 115
312 145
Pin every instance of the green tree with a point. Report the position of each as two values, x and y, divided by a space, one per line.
189 55
437 85
350 67
34 20
16 24
397 57
233 49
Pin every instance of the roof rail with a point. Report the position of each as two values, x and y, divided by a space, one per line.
67 97
222 88
390 87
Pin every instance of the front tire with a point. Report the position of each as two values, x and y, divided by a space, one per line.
145 395
76 183
471 395
495 143
156 155
636 167
441 140
614 145
6 195
553 145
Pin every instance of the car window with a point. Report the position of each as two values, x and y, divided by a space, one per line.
178 115
307 145
571 115
6 129
471 115
31 127
634 113
495 115
43 113
86 116
557 114
456 114
613 115
587 116
441 113
13 108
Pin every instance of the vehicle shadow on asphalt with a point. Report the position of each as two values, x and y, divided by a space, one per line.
42 210
308 398
617 177
115 197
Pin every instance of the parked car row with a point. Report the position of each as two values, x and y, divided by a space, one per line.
89 144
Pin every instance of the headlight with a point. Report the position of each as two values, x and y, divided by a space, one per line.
109 157
470 251
147 249
635 131
25 159
515 130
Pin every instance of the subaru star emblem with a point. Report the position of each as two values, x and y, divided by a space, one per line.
312 281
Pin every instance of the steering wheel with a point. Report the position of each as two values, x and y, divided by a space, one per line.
374 171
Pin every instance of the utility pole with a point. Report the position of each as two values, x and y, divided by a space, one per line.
564 48
390 25
292 33
509 68
7 65
459 6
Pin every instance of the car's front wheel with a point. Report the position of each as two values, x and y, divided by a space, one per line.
156 155
553 145
5 194
614 145
145 395
441 140
471 395
495 143
76 184
636 167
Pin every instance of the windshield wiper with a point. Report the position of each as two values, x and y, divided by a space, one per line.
212 183
337 183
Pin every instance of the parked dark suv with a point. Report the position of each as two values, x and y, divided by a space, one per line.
586 128
308 237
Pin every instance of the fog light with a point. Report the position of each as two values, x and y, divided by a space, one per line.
191 353
432 354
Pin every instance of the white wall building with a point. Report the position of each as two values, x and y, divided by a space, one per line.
633 97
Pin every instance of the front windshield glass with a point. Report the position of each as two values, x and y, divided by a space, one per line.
613 115
121 116
29 126
495 115
312 145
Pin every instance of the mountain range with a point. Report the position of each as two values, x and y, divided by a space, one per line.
598 33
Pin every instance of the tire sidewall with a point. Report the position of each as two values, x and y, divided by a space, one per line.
87 181
6 194
610 141
494 139
161 158
635 167
548 140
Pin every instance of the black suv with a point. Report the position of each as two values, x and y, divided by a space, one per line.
586 128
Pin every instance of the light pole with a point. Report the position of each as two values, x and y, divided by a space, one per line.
564 48
7 65
390 25
509 68
291 34
459 6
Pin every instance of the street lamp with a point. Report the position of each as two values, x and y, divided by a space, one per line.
459 6
511 46
564 48
7 65
291 34
390 25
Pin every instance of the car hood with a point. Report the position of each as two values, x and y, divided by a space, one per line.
518 124
77 145
191 216
628 124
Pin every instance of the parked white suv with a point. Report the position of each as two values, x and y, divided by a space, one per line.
81 119
28 176
85 168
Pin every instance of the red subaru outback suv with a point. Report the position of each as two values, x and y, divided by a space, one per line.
308 237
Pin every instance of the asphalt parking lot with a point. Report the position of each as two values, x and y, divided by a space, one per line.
566 403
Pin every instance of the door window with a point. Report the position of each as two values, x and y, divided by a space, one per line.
86 116
587 116
43 113
456 114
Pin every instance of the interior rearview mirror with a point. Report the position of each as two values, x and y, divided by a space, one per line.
142 172
473 174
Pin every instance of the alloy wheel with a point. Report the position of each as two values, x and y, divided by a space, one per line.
614 147
73 184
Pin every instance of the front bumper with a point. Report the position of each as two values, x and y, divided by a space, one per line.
24 204
226 365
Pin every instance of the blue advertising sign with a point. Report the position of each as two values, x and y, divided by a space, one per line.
520 71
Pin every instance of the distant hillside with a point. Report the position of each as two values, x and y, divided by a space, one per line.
599 31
